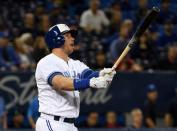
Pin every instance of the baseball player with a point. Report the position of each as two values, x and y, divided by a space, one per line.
59 80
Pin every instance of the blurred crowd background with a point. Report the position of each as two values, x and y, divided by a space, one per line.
104 26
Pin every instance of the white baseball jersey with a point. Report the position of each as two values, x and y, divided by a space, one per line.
63 103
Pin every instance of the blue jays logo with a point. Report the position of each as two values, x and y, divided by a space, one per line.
74 74
56 33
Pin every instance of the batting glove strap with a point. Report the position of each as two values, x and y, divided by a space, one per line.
81 84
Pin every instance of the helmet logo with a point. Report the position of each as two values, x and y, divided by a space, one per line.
56 32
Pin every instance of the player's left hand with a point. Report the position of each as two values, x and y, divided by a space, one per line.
108 78
107 71
101 81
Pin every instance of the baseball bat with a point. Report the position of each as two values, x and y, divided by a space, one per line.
152 15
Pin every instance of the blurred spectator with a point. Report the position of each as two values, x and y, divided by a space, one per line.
44 24
28 41
111 120
92 121
137 118
115 21
129 65
18 120
153 36
129 24
150 112
59 12
29 24
39 10
171 115
33 113
25 61
56 10
144 52
136 67
166 13
100 61
8 56
126 5
92 49
115 6
3 114
94 19
114 14
119 44
40 49
3 28
168 36
169 61
79 6
141 11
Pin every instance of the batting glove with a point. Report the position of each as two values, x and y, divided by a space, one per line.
101 82
107 71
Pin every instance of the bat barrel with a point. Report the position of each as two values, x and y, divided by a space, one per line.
139 31
147 21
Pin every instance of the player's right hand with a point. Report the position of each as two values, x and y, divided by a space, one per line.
107 71
101 82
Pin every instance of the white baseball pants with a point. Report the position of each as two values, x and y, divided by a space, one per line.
47 123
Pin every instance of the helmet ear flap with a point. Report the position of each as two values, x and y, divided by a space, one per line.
59 40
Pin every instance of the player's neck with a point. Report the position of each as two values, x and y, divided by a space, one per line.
60 53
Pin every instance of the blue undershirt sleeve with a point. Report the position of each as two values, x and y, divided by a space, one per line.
81 84
88 73
94 74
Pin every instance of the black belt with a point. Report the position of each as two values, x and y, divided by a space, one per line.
57 118
68 120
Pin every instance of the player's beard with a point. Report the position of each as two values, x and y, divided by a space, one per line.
68 48
71 50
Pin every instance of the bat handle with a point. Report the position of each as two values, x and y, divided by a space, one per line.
117 62
124 53
113 68
122 56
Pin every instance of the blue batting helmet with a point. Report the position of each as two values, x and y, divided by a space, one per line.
54 37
